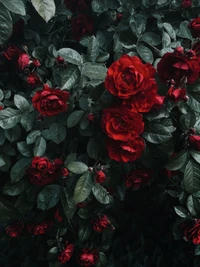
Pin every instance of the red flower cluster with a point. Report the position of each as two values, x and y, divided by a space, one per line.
66 254
136 178
15 229
50 102
186 3
100 224
193 234
39 229
43 171
88 257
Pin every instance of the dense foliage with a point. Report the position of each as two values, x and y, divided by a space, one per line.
99 133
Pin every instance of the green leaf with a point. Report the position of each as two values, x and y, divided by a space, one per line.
193 101
169 29
68 204
70 158
157 133
93 148
7 211
188 120
191 203
151 38
2 161
83 187
70 56
32 137
145 53
28 120
71 77
166 40
180 211
74 118
94 71
18 170
2 136
48 197
9 117
16 6
184 30
192 177
177 161
45 8
77 167
93 48
14 189
195 154
101 194
98 6
21 103
137 24
84 233
24 149
13 134
56 133
39 147
5 24
102 260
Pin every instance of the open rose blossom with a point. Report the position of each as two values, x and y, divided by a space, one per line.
121 124
50 102
193 234
33 80
137 178
81 25
100 224
88 257
125 151
175 65
128 76
43 171
40 228
194 27
15 229
66 254
194 141
23 61
12 52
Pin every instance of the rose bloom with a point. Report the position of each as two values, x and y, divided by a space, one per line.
186 3
128 76
136 178
193 234
100 177
176 94
66 254
143 101
65 172
33 80
40 228
76 5
23 61
15 229
81 25
43 171
122 124
100 224
12 52
175 65
125 151
194 27
50 102
159 102
194 141
88 257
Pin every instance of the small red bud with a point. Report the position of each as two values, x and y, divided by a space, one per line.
90 117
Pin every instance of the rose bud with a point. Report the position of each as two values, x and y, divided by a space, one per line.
100 224
194 141
60 60
90 117
88 257
15 229
57 216
23 61
65 172
66 254
100 177
194 27
186 3
176 94
159 102
36 63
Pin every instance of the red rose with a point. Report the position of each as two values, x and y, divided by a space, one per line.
194 27
76 5
121 124
100 177
90 117
43 172
1 108
196 48
186 3
57 216
33 80
128 76
23 61
143 101
36 63
50 102
100 224
81 25
177 66
88 257
193 234
12 52
176 94
42 228
194 141
66 254
15 229
136 178
125 151
159 102
65 172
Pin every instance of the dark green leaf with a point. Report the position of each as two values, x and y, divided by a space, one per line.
192 177
56 133
70 56
45 8
71 77
169 29
101 194
180 211
83 187
178 161
195 154
7 211
14 189
102 260
5 24
48 197
184 30
13 134
166 40
68 204
39 147
84 233
21 103
24 149
94 71
145 53
18 170
32 137
157 133
77 167
93 48
16 6
151 38
191 205
74 118
93 148
188 120
9 117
